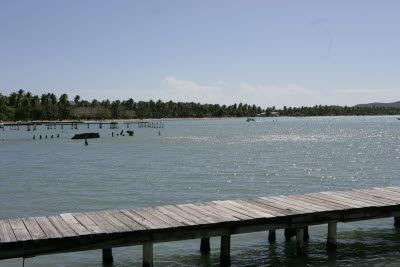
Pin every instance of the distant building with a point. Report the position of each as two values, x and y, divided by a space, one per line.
275 114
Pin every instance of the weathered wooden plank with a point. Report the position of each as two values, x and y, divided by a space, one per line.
233 213
310 204
389 192
284 205
6 232
47 227
165 218
197 220
117 224
144 221
33 228
299 203
325 200
193 213
377 193
74 224
19 229
101 222
259 208
217 212
367 199
243 209
375 198
354 203
175 216
88 223
329 205
63 228
135 226
351 205
156 221
260 203
203 212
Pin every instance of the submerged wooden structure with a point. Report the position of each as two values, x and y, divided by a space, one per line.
69 232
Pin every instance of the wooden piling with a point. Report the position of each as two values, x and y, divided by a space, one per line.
272 236
332 232
107 255
289 233
300 240
225 256
205 245
397 221
306 234
148 254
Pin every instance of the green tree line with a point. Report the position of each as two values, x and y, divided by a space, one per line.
23 105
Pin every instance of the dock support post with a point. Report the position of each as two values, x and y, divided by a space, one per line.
289 233
397 221
306 235
225 257
332 231
272 236
205 245
300 240
148 254
107 255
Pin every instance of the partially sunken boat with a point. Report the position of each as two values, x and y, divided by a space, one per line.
86 136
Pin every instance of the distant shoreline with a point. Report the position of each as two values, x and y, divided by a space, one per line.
181 119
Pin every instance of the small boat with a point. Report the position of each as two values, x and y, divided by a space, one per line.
250 119
86 136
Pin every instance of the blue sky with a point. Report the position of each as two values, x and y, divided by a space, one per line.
268 53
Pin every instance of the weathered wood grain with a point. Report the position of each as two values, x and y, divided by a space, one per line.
6 232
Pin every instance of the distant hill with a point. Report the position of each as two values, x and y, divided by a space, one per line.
377 104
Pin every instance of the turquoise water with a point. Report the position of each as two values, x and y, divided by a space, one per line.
203 160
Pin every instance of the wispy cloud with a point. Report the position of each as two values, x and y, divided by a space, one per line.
222 92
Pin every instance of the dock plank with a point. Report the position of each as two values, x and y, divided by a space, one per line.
189 210
63 228
248 205
187 216
283 205
149 224
117 224
75 225
19 229
33 228
88 223
177 217
154 215
261 204
6 232
217 212
126 220
300 204
47 227
233 213
329 205
101 222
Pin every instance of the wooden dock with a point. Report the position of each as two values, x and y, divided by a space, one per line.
70 232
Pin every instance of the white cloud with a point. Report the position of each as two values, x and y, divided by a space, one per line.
264 95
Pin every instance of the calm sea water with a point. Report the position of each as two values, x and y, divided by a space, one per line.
203 160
